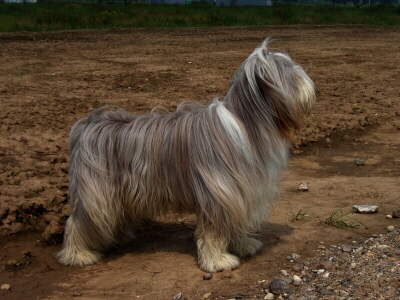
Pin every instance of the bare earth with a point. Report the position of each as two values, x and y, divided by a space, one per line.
48 81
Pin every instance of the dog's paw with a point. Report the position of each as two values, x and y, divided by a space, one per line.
224 261
78 258
247 247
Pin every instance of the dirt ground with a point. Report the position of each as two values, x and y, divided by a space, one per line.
49 80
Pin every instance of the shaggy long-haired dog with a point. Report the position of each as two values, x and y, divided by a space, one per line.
221 161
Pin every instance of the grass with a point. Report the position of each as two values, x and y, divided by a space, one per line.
61 16
339 219
301 215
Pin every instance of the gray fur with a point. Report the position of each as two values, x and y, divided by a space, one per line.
220 161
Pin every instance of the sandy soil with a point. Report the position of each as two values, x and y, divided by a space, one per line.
47 81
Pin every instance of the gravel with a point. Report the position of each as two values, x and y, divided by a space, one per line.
373 272
368 268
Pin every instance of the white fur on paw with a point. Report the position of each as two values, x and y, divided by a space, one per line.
248 247
78 258
225 261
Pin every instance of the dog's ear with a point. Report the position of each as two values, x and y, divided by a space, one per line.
284 116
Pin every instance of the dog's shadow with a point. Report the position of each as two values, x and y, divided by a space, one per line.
158 236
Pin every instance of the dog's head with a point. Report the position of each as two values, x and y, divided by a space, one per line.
278 90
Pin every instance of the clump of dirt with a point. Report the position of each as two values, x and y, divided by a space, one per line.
18 264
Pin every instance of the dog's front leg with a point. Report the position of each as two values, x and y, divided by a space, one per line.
212 251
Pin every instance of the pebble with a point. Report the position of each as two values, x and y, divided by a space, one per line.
320 271
207 276
278 287
206 296
76 294
261 281
5 287
389 217
390 228
325 275
178 296
269 296
359 250
284 273
365 209
326 292
359 162
296 280
382 247
353 265
303 187
294 257
347 248
343 293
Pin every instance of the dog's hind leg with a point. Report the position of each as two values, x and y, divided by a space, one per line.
88 232
212 250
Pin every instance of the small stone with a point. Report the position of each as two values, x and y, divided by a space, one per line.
284 273
389 217
390 228
293 257
76 294
383 247
396 213
320 271
207 276
343 293
303 187
279 287
296 280
347 248
353 265
325 275
261 281
326 292
359 250
206 296
5 287
365 209
178 296
269 296
359 162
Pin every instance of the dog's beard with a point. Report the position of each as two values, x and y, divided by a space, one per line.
221 161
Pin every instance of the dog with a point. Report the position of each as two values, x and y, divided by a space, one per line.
221 161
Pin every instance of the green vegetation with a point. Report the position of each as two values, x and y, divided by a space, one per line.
60 16
301 215
342 220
